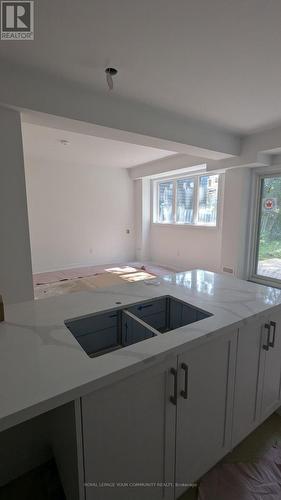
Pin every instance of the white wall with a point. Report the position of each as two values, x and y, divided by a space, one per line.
15 261
186 248
236 220
205 247
142 218
78 215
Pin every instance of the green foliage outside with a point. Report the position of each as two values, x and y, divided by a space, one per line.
269 250
270 224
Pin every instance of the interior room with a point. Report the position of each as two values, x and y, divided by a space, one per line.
68 182
140 251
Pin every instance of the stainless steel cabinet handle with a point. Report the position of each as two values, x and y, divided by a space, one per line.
173 398
272 342
184 392
266 346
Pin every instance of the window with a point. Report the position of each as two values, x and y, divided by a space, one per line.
187 200
266 245
208 197
165 205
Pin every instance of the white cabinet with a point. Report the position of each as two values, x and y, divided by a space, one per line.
129 436
258 371
272 366
129 428
206 377
248 379
173 421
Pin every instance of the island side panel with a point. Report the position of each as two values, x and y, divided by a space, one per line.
66 443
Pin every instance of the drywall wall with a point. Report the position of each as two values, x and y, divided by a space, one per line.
236 220
188 247
15 259
78 215
142 215
184 247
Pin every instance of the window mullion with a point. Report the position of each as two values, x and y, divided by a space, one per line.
196 200
175 202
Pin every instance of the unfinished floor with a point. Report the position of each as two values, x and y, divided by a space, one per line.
250 451
90 278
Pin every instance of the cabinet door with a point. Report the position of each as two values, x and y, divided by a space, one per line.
206 384
272 368
248 379
129 437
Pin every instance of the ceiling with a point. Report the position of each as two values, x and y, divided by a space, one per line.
43 143
214 60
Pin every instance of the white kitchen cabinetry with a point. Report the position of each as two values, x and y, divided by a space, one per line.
206 378
129 428
129 436
272 366
247 395
258 371
172 422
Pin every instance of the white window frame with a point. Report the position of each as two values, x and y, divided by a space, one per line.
254 230
195 223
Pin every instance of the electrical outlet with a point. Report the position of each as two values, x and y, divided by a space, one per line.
228 269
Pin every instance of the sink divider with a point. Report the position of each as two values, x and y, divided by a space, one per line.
141 322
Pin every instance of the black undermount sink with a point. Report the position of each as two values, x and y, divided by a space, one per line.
105 332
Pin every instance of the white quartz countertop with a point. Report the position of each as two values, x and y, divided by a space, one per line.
42 365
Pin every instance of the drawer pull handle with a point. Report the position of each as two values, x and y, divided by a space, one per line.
272 342
173 398
184 392
266 346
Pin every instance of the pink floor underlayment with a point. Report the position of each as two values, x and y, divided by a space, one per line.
244 481
84 272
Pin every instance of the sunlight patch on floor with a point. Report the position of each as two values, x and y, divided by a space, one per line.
121 270
130 274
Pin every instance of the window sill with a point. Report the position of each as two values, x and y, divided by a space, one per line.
185 226
265 280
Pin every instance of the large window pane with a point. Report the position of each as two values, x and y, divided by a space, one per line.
165 202
269 229
208 199
185 193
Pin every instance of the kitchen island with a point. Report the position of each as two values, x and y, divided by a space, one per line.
133 421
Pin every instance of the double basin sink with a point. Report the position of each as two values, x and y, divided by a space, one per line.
105 332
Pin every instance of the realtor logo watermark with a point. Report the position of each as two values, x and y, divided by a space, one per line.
17 20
